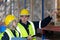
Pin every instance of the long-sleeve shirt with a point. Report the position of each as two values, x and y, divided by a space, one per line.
43 23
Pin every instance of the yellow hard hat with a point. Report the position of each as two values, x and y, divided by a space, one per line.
24 12
8 19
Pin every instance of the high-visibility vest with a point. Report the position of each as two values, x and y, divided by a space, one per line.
10 34
23 32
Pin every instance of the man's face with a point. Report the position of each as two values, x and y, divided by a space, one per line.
24 18
12 25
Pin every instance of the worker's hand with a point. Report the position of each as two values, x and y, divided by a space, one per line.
14 23
29 37
52 13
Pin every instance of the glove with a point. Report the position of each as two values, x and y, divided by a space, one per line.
29 37
2 28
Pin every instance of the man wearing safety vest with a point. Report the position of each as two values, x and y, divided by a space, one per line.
26 28
10 31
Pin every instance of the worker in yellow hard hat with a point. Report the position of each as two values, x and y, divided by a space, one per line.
26 28
9 19
24 12
10 31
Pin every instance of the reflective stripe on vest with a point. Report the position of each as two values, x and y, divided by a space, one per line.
31 28
40 24
23 32
17 34
10 34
